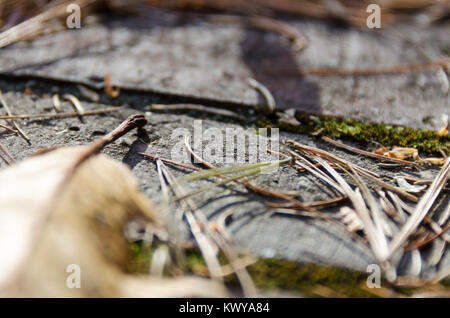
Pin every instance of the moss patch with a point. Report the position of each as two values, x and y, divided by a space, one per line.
277 274
272 274
269 274
363 133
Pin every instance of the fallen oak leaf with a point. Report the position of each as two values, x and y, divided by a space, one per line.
77 218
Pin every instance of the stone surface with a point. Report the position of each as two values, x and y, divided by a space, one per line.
175 57
205 57
253 227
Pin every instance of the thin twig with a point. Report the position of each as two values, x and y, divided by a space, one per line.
199 108
8 111
427 239
270 100
366 153
206 247
35 25
364 172
56 103
422 208
276 26
76 105
10 157
369 71
8 129
63 115
132 122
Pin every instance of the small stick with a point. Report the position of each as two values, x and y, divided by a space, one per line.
295 205
270 100
76 104
366 153
56 103
5 151
8 111
364 172
427 239
422 208
272 25
9 129
195 218
324 153
317 165
64 115
200 108
35 25
370 71
88 93
135 121
314 204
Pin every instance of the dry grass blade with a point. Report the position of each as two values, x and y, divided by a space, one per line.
56 103
8 111
316 171
236 264
350 218
89 93
370 71
376 238
327 155
212 172
209 251
76 104
270 100
199 108
63 115
8 155
427 239
195 217
265 192
422 208
36 25
9 129
219 183
279 27
366 153
364 172
403 207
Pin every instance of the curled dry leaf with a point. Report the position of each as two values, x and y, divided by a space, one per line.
351 219
110 90
444 130
288 117
48 222
406 153
403 184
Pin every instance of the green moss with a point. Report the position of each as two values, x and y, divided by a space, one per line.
276 274
273 274
269 274
363 133
140 256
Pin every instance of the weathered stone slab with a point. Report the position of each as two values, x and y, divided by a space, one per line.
253 227
191 55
